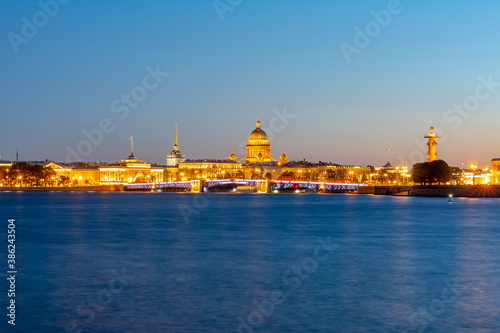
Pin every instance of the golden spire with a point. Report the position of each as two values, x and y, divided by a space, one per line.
257 124
176 137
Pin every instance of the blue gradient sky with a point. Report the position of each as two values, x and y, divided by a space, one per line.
265 55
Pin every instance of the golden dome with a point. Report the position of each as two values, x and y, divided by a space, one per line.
258 147
257 134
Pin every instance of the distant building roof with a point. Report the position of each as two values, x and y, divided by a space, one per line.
63 164
87 167
209 161
306 164
263 164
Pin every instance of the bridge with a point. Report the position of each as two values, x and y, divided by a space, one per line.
165 186
284 186
260 185
199 185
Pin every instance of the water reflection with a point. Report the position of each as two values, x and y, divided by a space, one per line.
395 258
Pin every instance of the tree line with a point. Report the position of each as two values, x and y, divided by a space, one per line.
429 173
26 174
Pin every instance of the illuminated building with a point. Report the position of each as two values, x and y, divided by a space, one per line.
85 175
262 171
175 156
476 176
258 147
4 168
78 174
322 171
5 164
431 145
64 172
205 169
495 171
390 175
130 170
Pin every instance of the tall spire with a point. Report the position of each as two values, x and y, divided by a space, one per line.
175 156
131 147
176 138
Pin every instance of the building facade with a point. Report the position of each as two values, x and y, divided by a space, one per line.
325 172
206 169
258 148
495 171
130 170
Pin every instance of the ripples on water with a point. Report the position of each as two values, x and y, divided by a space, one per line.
402 264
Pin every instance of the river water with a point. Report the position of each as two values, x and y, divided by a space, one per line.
224 262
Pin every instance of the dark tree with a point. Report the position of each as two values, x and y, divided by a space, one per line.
432 172
439 172
419 173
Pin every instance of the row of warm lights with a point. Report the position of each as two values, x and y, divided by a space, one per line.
475 167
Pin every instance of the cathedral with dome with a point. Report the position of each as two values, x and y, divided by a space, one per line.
258 147
256 163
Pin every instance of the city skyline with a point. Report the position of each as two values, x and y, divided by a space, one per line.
223 70
73 155
250 165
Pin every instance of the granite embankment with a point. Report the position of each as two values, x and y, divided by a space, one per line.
473 191
102 188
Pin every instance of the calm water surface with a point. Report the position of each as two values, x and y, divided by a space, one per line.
180 262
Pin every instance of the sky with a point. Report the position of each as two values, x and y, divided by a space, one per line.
337 81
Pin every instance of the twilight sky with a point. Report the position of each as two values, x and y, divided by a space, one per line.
324 90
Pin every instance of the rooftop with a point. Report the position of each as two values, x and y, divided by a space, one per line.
209 161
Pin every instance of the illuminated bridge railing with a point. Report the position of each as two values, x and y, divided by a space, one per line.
290 184
186 185
278 185
139 186
149 186
328 187
238 182
340 187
